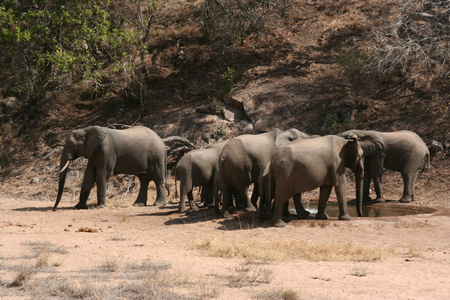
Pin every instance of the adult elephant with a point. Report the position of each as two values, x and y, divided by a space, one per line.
266 195
198 168
402 151
138 151
305 165
242 159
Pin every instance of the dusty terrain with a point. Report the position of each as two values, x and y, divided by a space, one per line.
123 251
127 252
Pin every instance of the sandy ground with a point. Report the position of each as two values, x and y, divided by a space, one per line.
416 264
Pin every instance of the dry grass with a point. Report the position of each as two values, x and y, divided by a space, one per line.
278 294
251 272
24 273
284 250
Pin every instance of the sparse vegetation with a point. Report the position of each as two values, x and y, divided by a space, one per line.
251 272
279 250
358 272
229 78
24 273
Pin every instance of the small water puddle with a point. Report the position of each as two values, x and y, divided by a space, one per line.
369 210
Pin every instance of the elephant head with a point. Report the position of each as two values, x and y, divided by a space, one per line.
285 137
352 156
371 141
79 143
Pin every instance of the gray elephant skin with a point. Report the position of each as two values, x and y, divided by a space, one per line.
320 162
198 168
136 151
241 161
266 195
403 151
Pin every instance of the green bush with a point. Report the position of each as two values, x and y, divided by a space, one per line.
60 42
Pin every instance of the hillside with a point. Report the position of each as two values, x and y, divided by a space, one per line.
303 71
207 71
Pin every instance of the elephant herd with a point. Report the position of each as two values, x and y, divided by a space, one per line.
279 164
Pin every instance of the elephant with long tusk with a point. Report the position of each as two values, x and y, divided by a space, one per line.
136 151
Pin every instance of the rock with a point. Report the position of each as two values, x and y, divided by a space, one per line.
437 145
11 104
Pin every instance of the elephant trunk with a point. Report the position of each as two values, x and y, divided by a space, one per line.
62 180
359 178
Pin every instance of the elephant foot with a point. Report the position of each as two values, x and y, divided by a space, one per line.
345 217
321 216
182 210
160 203
81 206
193 206
279 223
303 215
250 208
379 200
139 204
226 214
405 200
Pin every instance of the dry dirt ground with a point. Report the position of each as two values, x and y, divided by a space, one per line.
127 252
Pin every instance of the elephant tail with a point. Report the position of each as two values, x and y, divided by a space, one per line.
427 162
166 179
176 189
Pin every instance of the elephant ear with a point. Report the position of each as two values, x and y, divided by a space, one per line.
285 137
356 154
94 138
372 143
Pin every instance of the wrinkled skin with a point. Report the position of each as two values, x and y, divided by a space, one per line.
136 151
266 195
198 168
241 161
308 164
402 151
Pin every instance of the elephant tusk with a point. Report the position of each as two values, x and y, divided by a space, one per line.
65 167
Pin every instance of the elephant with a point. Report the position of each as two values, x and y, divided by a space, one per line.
402 151
266 196
320 162
198 168
241 160
136 151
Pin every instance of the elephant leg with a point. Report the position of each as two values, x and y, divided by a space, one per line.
237 198
376 169
86 186
141 199
160 192
286 212
101 181
302 213
340 188
409 179
279 203
255 194
207 195
227 199
367 180
191 201
325 191
248 206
